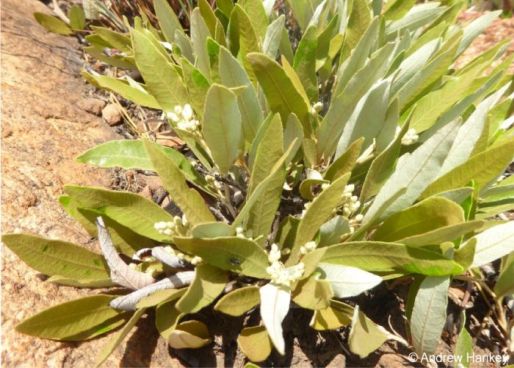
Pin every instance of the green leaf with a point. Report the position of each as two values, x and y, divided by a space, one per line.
221 127
118 338
256 14
228 253
78 320
167 316
384 257
77 18
208 284
476 27
505 283
332 230
55 257
199 34
189 200
280 92
260 208
345 162
53 24
358 23
348 92
208 15
481 168
347 281
255 343
268 151
382 167
443 234
429 314
238 302
133 91
248 40
271 43
189 335
470 133
131 154
312 293
162 79
367 119
464 344
233 75
275 301
414 172
493 243
168 21
317 213
396 9
431 214
123 207
61 280
114 39
430 73
305 62
337 315
365 335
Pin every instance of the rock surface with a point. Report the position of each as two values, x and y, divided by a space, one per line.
46 125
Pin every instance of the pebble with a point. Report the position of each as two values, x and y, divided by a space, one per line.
92 105
112 114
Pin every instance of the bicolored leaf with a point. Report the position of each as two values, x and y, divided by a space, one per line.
431 214
348 281
429 313
384 257
493 243
275 302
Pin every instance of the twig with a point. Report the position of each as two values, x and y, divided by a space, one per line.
129 302
121 273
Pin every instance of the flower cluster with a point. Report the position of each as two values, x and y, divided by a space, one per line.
178 226
280 274
184 117
308 247
410 137
351 202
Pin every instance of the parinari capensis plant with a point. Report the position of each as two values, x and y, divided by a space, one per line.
310 174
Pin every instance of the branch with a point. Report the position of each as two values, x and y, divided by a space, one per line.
121 273
128 302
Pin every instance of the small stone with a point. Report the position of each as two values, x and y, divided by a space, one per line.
112 114
92 105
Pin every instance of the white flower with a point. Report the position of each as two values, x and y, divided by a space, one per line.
196 260
183 116
187 112
165 227
308 247
410 137
351 202
274 254
282 275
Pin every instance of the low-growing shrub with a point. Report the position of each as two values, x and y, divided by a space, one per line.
313 170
